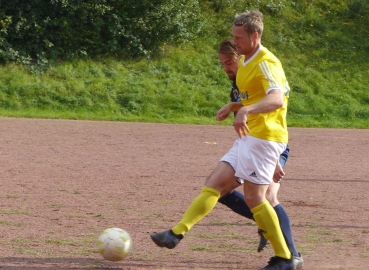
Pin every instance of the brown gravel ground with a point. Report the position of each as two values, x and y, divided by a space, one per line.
63 182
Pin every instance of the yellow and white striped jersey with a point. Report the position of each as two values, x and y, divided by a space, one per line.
255 78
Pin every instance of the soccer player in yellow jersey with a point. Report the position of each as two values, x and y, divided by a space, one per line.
229 58
261 125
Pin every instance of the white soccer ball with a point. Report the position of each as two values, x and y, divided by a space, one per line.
114 244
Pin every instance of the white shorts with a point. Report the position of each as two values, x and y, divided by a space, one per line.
253 159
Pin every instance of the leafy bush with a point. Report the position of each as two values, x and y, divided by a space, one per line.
323 45
37 31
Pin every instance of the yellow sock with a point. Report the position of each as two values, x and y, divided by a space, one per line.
267 220
198 209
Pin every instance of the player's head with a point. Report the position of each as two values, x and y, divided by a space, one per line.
247 30
228 57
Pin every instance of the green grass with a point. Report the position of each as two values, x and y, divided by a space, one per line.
323 46
200 248
62 242
18 211
10 223
12 196
47 246
320 236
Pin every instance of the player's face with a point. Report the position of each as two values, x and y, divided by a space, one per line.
230 64
246 44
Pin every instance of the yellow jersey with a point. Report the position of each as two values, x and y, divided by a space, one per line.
257 76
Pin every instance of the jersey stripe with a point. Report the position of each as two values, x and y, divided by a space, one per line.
267 73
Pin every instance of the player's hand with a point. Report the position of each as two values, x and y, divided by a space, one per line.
240 122
278 173
223 113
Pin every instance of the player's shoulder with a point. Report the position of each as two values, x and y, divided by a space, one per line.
268 56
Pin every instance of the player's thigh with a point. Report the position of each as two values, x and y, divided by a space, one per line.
272 193
222 178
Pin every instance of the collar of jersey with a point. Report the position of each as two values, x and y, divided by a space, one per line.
244 63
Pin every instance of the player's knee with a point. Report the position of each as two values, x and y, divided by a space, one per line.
253 200
272 198
218 183
213 182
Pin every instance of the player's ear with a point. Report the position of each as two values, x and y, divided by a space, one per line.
255 36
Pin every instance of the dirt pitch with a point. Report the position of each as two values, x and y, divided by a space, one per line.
64 182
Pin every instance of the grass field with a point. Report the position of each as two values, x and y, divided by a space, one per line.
323 47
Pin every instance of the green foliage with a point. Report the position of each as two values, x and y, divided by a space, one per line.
39 31
330 50
156 89
324 47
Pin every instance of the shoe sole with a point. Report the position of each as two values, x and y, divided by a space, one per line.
160 243
157 241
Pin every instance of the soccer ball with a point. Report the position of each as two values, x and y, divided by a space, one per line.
114 244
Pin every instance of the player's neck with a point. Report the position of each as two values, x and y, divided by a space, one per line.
252 53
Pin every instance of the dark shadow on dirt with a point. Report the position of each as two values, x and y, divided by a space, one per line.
21 263
327 180
309 180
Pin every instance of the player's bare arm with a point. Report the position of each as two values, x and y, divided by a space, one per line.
224 112
240 122
278 173
271 102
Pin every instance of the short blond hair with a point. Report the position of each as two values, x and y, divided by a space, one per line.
251 20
